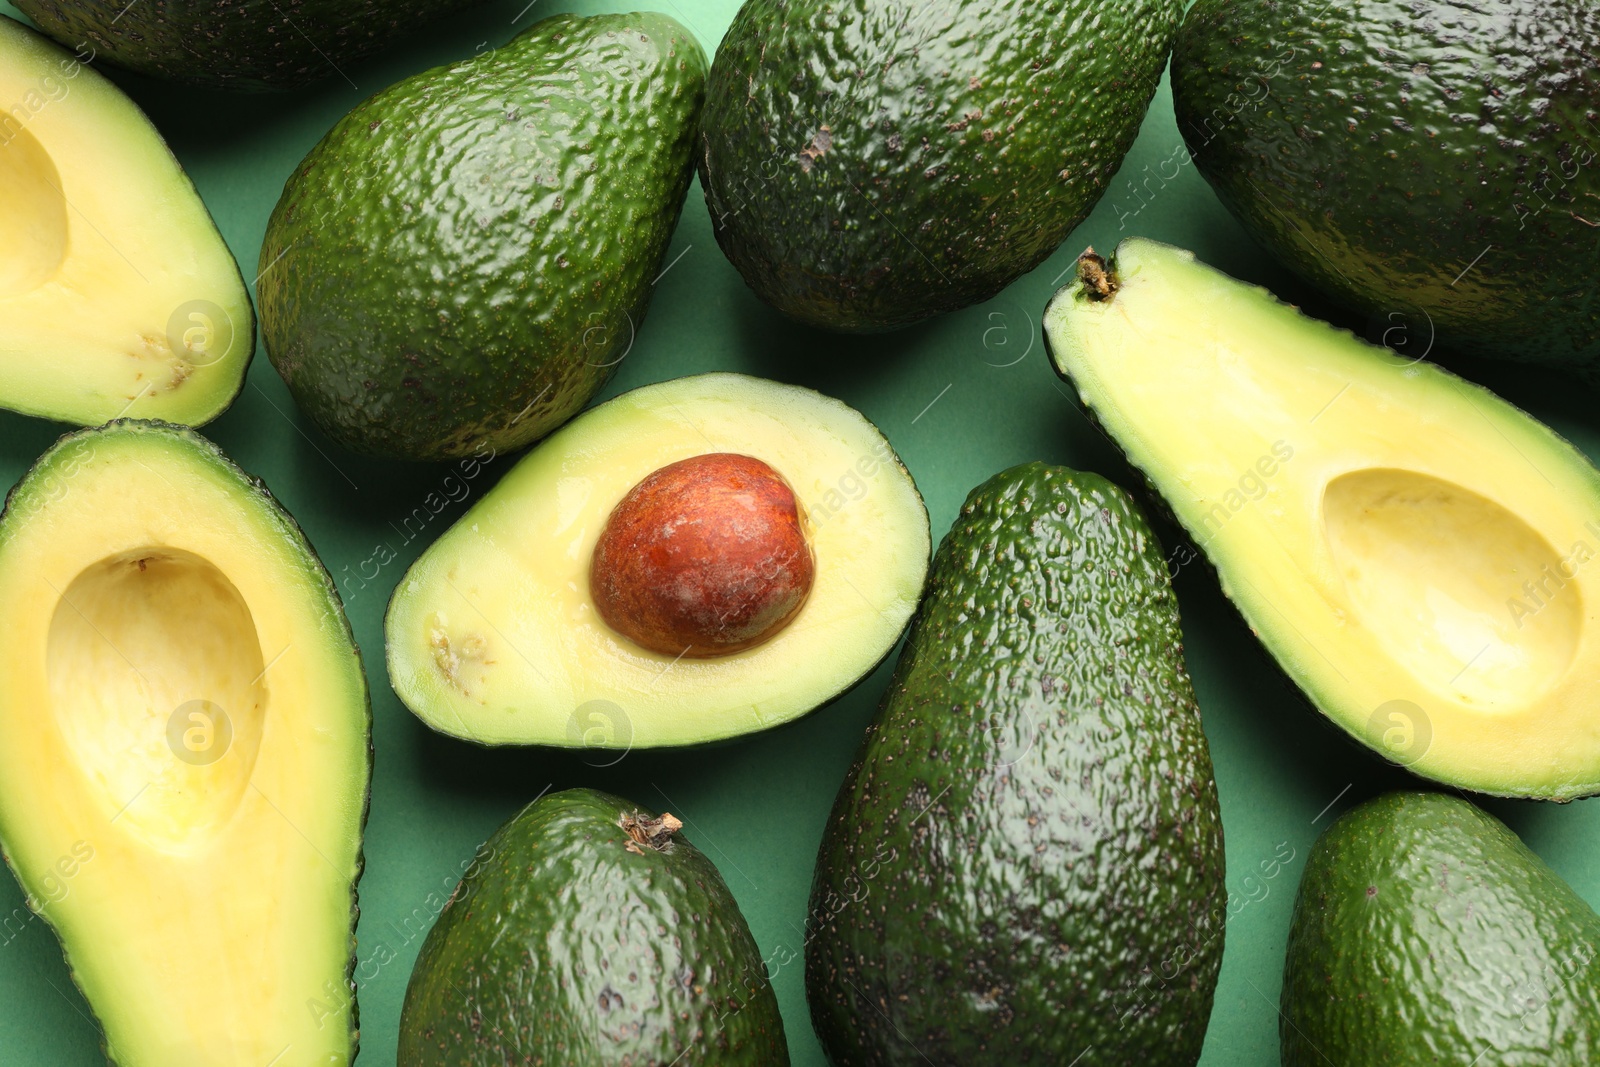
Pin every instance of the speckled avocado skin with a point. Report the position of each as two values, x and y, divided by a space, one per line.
872 163
1431 164
1025 864
464 259
242 45
1425 932
564 945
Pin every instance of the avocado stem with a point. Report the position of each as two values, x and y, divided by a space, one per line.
651 833
1099 282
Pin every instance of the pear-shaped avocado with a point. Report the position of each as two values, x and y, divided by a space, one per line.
871 164
1417 554
589 932
465 258
184 751
1426 932
1025 865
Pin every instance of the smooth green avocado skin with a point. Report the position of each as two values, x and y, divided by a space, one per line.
1025 864
1431 164
240 45
1425 932
872 163
563 946
462 262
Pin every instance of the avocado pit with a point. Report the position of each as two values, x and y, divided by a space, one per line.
704 557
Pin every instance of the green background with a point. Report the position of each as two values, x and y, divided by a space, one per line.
960 398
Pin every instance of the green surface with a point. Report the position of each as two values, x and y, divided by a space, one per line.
960 399
592 881
1426 933
1041 697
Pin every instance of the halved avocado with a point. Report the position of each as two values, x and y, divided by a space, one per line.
184 751
1419 555
117 294
494 634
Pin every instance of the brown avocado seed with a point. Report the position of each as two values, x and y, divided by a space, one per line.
704 557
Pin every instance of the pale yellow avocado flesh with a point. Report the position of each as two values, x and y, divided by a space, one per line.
493 636
183 752
1418 554
117 295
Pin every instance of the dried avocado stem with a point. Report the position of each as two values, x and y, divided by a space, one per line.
651 833
1098 280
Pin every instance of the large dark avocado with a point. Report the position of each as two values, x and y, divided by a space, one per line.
464 260
1025 864
1432 164
243 45
873 163
1426 933
589 934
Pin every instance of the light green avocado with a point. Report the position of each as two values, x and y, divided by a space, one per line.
1417 554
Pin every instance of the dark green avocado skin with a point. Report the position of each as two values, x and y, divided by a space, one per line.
1025 864
1433 165
463 261
872 163
240 45
1425 932
564 946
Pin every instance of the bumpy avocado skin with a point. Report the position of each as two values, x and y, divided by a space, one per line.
464 259
872 163
1025 864
563 945
1425 932
1432 164
242 45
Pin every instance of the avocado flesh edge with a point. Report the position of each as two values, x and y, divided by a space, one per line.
1410 548
1424 931
200 872
1038 746
674 975
493 637
121 298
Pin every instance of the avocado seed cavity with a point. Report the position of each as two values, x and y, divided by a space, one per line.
704 557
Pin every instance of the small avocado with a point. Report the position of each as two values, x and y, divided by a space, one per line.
1431 164
1425 932
184 751
589 933
1025 864
239 45
1417 554
462 262
119 296
692 561
872 164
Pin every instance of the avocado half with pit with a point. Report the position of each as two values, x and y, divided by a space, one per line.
184 751
689 562
118 297
1420 556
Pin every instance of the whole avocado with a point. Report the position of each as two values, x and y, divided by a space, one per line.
587 933
1425 932
461 263
242 45
872 163
1025 864
1431 164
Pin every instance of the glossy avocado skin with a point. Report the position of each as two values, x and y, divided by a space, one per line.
564 945
871 163
1432 164
245 45
1425 932
463 261
1026 858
